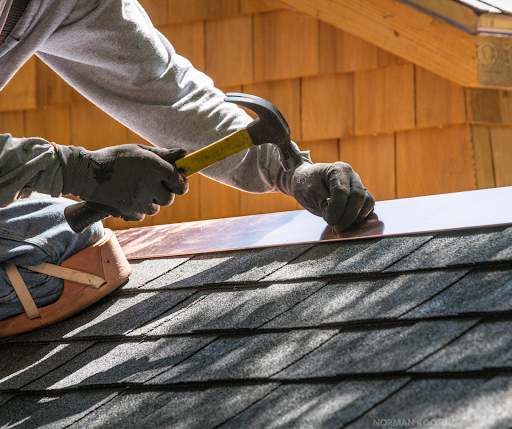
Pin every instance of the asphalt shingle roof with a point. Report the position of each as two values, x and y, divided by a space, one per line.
327 335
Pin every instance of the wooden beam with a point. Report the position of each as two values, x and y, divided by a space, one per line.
404 31
441 36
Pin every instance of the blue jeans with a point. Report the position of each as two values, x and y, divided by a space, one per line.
33 231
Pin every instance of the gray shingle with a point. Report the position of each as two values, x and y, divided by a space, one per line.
386 350
146 270
366 299
228 267
488 345
113 315
325 406
459 249
5 398
479 291
380 254
241 309
473 403
200 409
51 412
110 363
320 259
258 356
22 364
358 256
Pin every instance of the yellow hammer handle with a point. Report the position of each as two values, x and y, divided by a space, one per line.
213 153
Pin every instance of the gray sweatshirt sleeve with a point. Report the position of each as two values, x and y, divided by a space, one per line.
27 165
110 52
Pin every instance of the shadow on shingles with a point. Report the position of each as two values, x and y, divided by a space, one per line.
55 411
242 265
114 363
113 315
467 403
229 310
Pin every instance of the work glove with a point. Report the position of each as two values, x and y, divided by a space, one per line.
127 181
332 191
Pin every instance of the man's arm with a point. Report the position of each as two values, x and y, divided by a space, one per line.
27 165
115 57
129 180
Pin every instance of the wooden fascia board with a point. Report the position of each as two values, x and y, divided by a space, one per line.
404 31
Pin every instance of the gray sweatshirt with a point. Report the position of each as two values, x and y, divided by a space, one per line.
109 51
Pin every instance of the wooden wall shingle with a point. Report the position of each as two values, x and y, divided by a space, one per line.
438 101
229 50
327 106
285 45
384 100
434 161
339 51
21 92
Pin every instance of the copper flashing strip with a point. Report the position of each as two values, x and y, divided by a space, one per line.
460 210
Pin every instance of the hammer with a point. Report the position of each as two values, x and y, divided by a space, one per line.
269 127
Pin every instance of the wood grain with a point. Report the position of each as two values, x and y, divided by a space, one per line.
384 100
285 45
229 50
188 41
12 123
51 89
193 10
266 203
403 31
217 200
52 123
327 106
342 52
438 100
259 6
501 138
286 96
373 158
105 132
21 92
490 106
386 59
434 161
483 157
322 150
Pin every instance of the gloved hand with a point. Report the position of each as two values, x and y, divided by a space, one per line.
127 181
332 191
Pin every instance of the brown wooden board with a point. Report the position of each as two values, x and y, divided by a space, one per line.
327 102
384 100
438 100
342 52
433 161
285 45
20 92
229 50
461 210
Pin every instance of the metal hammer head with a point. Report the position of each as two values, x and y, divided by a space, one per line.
269 127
